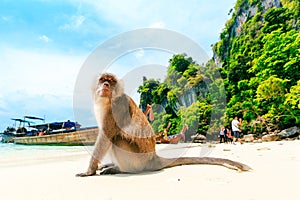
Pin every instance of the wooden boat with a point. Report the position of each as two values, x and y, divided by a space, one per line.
163 138
7 137
54 133
83 136
18 131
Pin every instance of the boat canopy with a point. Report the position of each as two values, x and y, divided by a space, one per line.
27 121
31 117
56 125
21 120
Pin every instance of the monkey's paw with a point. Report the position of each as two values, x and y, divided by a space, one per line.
85 174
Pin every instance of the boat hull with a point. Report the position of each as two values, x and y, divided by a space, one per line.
75 138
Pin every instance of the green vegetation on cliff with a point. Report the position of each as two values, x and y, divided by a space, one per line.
258 58
261 65
191 94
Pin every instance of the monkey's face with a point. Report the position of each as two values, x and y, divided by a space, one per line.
106 85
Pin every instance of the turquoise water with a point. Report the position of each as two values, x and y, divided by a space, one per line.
11 154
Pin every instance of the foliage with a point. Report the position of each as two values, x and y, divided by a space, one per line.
272 89
280 56
261 66
258 78
182 98
197 117
146 92
180 63
293 98
292 101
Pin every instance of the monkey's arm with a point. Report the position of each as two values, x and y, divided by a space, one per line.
100 149
112 120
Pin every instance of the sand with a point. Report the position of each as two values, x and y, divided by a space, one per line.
275 175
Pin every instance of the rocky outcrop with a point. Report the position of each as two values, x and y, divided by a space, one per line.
270 137
191 95
290 132
271 3
247 11
187 98
248 138
198 138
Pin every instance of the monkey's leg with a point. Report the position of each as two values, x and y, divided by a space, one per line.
102 167
111 170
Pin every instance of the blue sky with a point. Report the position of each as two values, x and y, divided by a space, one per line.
43 44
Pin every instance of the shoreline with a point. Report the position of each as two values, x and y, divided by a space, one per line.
275 175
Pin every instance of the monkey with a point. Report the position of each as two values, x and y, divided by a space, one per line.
126 135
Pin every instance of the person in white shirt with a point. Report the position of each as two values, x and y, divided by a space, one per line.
235 124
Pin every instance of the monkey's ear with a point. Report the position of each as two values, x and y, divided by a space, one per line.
119 88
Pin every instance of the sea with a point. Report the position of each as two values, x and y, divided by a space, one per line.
15 154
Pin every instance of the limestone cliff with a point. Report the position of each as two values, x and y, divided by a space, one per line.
244 11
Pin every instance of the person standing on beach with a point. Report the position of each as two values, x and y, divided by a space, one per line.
225 134
229 136
222 134
235 124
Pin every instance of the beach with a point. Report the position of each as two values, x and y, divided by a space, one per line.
275 175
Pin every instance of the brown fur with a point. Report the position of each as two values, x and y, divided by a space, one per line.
125 134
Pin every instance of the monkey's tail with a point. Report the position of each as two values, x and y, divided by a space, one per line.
172 162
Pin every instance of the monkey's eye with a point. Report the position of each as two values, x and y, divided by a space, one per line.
112 81
102 80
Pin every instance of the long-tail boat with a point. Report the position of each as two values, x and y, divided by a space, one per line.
71 137
55 133
163 138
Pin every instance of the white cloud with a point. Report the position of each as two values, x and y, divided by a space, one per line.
37 72
45 81
78 21
200 20
44 38
74 23
6 18
37 83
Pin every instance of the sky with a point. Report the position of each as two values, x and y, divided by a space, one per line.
44 43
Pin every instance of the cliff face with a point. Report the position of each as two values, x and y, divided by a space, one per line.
247 10
258 47
244 11
191 95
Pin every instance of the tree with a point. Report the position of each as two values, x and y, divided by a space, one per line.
293 102
260 65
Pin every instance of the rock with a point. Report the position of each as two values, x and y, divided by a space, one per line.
259 141
248 138
290 132
198 138
277 131
199 141
270 137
